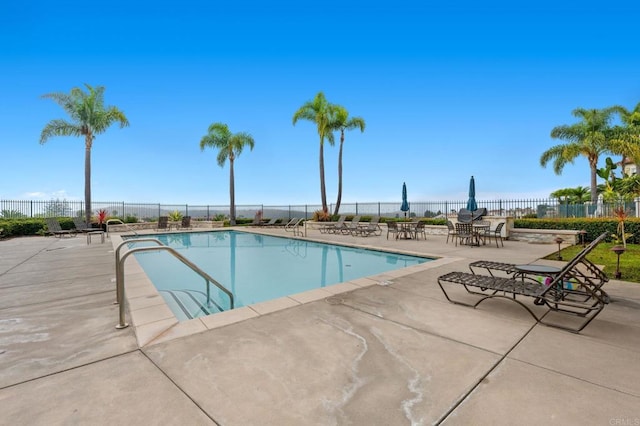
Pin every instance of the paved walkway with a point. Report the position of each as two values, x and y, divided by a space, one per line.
377 355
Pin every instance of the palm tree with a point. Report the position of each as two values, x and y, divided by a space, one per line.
629 134
89 117
580 195
229 146
590 137
321 113
563 195
343 122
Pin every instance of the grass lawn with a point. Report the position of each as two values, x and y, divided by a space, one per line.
602 255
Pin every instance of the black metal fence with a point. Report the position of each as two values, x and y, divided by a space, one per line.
540 208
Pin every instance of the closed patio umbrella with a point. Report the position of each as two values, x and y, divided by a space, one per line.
471 203
405 205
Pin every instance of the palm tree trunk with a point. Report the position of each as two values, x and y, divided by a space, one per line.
323 189
339 198
87 178
232 195
594 183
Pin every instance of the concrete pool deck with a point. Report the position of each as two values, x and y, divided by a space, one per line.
376 354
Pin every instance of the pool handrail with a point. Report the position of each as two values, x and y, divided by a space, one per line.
126 225
120 274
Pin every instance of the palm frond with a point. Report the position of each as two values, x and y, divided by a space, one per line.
59 128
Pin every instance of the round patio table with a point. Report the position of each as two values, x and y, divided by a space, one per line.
525 271
405 229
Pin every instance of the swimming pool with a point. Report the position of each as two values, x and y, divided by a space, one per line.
255 268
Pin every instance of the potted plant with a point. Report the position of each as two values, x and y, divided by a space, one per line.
102 219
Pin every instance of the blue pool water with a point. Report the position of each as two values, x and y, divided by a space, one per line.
254 268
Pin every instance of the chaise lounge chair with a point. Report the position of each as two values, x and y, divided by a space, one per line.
272 222
81 226
333 227
371 228
352 227
257 220
585 298
54 228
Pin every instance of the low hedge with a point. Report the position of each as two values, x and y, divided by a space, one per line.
32 226
593 226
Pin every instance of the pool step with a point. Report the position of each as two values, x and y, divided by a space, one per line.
191 303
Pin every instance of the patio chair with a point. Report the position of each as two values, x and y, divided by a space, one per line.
163 224
186 222
464 233
585 302
482 229
392 228
419 229
54 228
351 227
496 234
451 232
333 227
371 228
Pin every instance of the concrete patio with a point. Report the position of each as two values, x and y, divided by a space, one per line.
374 355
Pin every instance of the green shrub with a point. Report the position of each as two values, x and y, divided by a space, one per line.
31 226
130 219
175 216
593 226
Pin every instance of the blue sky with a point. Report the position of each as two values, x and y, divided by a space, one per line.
447 91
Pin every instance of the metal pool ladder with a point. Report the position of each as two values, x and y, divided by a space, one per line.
126 225
159 247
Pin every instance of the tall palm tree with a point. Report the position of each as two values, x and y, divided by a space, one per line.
342 122
230 146
320 112
89 117
591 137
